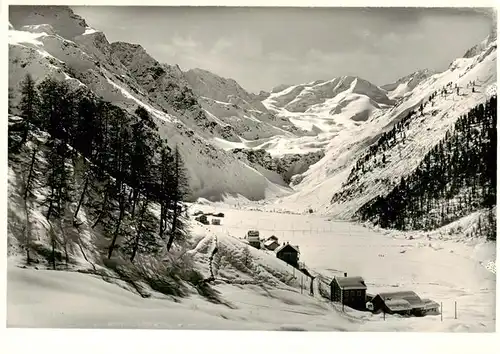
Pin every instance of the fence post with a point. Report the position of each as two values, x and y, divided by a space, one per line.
384 313
455 310
441 312
301 283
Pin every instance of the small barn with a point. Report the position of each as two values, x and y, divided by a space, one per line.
271 244
288 253
350 291
403 303
215 221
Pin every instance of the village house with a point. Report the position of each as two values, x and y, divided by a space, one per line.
288 253
203 219
253 238
403 303
271 243
350 291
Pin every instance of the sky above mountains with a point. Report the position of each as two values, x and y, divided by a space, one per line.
264 47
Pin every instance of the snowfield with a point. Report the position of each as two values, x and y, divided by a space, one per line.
424 263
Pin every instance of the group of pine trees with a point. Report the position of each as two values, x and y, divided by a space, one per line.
457 177
99 158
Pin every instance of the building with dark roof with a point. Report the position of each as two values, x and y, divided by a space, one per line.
271 244
288 253
403 303
350 291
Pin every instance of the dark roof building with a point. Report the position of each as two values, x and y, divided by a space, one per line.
288 253
271 244
350 291
350 283
404 303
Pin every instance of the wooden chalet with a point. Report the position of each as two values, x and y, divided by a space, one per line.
253 238
271 244
350 291
289 254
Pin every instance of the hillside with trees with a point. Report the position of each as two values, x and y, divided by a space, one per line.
88 166
457 177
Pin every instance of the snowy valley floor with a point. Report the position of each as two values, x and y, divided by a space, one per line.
441 267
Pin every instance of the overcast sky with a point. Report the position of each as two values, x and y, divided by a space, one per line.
264 47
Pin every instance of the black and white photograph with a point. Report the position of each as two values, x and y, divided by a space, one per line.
250 168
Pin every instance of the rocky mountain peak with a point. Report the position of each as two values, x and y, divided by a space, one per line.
61 19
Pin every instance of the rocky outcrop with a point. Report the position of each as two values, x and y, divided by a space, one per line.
286 166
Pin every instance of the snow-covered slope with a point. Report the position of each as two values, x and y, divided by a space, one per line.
270 298
226 100
326 178
323 108
308 97
55 41
407 83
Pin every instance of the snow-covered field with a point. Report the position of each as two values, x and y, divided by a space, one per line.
444 268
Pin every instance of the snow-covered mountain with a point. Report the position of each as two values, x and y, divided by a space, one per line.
237 144
468 82
209 117
406 84
52 40
229 104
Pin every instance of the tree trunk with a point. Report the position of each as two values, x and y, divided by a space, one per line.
51 205
30 174
136 247
65 242
80 202
101 213
174 227
134 200
138 232
53 241
27 233
162 219
118 223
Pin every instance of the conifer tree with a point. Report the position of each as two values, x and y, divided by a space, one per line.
29 105
165 195
27 191
180 192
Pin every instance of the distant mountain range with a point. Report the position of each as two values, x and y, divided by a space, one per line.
331 123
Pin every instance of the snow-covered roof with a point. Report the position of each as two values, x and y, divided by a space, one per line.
398 305
296 248
410 296
349 283
270 242
430 304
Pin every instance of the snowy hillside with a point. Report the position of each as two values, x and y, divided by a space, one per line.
55 41
406 84
255 291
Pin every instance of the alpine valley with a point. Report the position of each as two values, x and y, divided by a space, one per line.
373 181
